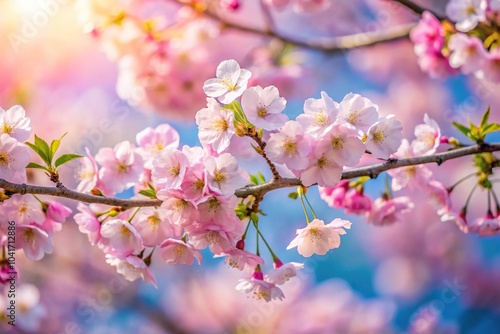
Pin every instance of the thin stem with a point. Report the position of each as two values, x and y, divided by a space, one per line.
246 230
133 215
304 207
497 203
489 201
265 242
470 196
310 206
460 181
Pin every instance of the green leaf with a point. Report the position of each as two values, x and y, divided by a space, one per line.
261 177
38 151
34 165
148 193
66 158
465 130
491 128
254 179
293 195
45 149
54 145
485 118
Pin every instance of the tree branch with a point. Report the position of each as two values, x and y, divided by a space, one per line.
256 190
419 9
328 45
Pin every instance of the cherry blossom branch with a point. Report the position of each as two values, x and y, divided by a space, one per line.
418 9
256 190
61 191
374 170
328 45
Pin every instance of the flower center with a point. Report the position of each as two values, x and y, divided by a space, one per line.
290 147
175 170
228 83
352 118
338 143
262 111
4 159
315 233
378 137
321 118
220 177
125 231
212 237
6 128
122 168
213 204
28 236
220 125
154 222
179 250
322 162
23 208
180 205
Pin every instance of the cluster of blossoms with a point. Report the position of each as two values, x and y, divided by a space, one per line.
36 221
197 186
165 51
470 45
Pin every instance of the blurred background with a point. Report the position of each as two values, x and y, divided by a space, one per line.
104 70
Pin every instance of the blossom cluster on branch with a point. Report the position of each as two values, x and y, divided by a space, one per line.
193 189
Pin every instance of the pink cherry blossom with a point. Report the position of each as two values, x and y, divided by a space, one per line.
318 238
491 67
284 272
358 111
260 289
289 146
318 115
384 137
241 259
457 218
263 107
428 32
428 137
15 123
121 167
439 196
14 157
151 141
466 13
120 238
88 222
215 125
388 211
311 5
87 173
412 176
24 209
222 174
194 187
334 196
322 168
485 226
169 168
153 226
178 210
132 268
178 252
346 147
230 83
467 53
58 212
218 209
34 241
356 202
216 237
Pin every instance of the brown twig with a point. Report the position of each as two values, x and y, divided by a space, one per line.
257 190
328 45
